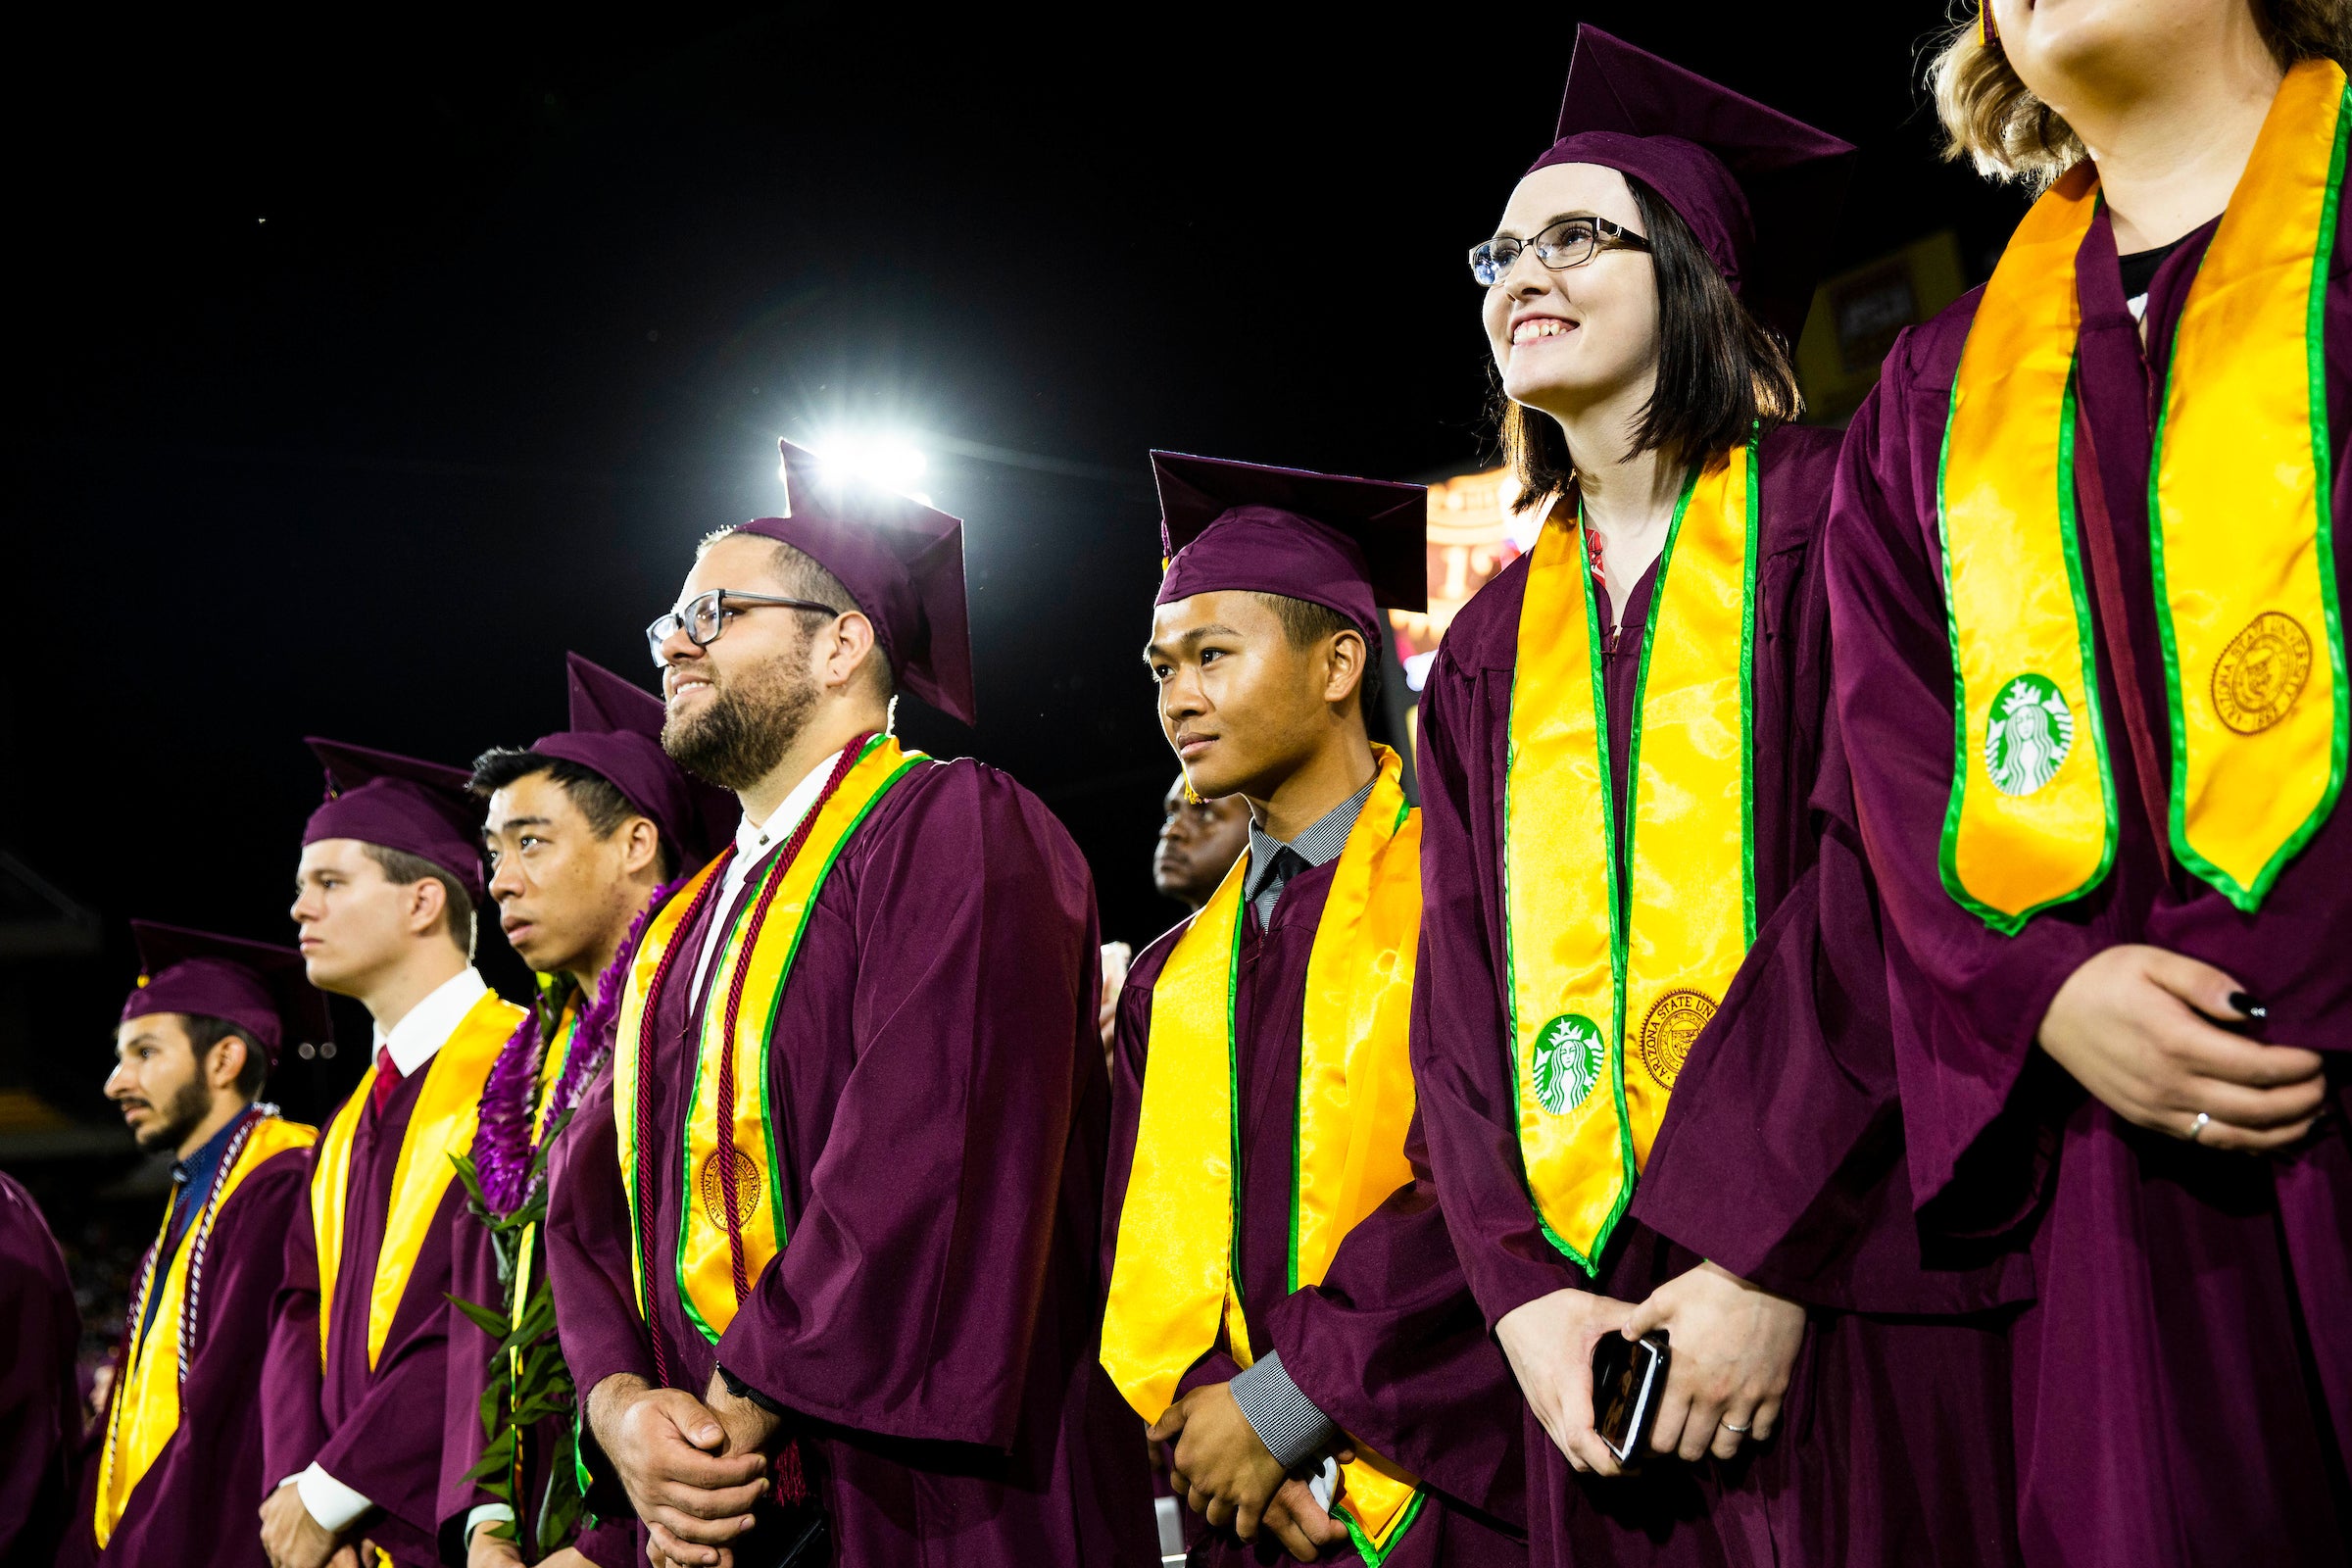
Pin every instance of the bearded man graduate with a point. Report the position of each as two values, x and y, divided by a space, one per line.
175 1461
586 830
1284 1304
385 898
860 1103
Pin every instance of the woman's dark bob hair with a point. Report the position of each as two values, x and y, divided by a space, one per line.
1719 370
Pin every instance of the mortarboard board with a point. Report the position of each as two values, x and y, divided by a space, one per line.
262 989
902 562
1353 545
398 803
1761 190
615 729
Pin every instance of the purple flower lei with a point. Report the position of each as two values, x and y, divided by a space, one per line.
509 1169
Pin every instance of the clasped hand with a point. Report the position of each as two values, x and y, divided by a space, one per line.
1222 1469
1733 1347
692 1468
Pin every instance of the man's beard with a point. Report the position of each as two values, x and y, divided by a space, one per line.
751 724
177 1117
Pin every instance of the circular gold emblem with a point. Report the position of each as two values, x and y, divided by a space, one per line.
715 1196
1673 1021
2262 673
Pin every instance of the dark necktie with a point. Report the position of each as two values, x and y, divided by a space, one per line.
387 1077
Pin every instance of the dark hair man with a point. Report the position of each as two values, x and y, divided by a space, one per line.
176 1457
1198 842
385 896
859 1102
583 831
1284 1301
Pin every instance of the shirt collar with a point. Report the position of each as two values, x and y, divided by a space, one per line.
197 1170
413 1039
755 838
1319 845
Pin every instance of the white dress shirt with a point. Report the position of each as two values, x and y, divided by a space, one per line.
414 1042
751 841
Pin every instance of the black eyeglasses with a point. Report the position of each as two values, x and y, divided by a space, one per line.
706 616
1570 242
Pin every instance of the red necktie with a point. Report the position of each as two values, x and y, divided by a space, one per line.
387 1077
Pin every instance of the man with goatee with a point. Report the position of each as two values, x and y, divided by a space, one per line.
175 1457
852 1171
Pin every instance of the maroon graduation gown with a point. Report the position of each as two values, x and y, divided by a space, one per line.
1390 1346
2183 1380
377 1432
1854 1474
934 1318
198 1502
40 1404
473 1277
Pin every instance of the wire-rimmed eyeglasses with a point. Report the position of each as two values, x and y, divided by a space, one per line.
703 616
1570 242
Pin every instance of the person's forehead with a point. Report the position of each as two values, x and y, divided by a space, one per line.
159 1026
335 855
739 561
539 796
1560 188
1240 612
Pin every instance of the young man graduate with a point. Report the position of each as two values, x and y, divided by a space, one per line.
860 1103
1284 1304
175 1461
385 897
585 832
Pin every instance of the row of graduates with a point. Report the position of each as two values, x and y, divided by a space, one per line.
1801 950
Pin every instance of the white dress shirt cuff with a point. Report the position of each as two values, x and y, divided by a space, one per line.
333 1504
489 1513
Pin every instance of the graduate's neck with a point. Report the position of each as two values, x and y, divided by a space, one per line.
428 964
2171 130
841 717
1627 497
227 1106
1323 779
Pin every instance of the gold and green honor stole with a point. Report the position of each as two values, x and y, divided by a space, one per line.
731 1202
1596 957
440 1128
145 1411
2239 534
1173 1278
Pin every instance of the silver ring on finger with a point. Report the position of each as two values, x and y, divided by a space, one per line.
1731 1426
2196 1129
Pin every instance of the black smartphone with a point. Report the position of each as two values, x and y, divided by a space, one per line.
1628 1378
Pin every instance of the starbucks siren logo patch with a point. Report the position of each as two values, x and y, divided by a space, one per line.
2031 732
1568 1058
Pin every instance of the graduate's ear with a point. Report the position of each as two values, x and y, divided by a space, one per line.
640 845
845 652
427 902
224 1063
1344 660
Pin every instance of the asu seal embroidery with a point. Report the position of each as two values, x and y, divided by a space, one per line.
1568 1058
2030 732
2261 673
1672 1024
715 1196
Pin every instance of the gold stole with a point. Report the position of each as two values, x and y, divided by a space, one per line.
1592 960
724 1236
1174 1278
440 1127
2240 537
145 1409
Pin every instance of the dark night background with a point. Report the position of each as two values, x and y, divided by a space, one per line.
358 376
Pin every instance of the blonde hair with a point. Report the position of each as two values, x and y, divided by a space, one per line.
1994 122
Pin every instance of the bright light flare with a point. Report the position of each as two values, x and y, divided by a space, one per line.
882 458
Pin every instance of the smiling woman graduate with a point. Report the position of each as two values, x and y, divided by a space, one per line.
1621 742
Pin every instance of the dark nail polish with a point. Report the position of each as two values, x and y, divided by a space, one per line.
2248 1006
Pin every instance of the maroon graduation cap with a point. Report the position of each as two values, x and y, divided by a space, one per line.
900 560
617 731
262 989
425 808
1351 544
1759 189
